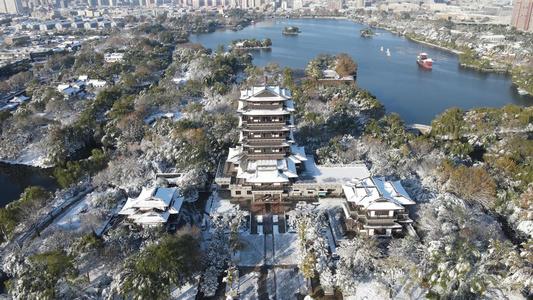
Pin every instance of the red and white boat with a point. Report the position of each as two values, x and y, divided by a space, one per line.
424 61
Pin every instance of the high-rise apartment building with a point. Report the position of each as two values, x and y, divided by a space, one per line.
11 6
522 15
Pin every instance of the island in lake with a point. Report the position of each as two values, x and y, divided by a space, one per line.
250 44
291 30
367 32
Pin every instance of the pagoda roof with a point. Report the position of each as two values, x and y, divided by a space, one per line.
155 197
153 206
268 176
265 93
267 170
235 154
298 152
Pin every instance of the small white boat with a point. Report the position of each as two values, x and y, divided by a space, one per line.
381 49
388 52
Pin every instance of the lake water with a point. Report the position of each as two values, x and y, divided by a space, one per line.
15 178
417 94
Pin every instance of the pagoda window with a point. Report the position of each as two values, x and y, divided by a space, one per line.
275 135
257 135
257 150
275 150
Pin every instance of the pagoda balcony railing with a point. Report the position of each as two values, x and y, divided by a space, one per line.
361 213
281 153
369 217
263 106
266 121
267 136
267 187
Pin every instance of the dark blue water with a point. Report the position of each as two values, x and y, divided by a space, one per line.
418 95
15 178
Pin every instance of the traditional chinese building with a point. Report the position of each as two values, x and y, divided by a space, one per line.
153 206
265 163
375 206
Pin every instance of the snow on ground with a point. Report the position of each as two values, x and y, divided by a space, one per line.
289 282
410 293
71 220
33 156
249 286
271 284
223 206
286 249
526 227
253 251
98 277
369 291
330 203
188 291
333 206
269 250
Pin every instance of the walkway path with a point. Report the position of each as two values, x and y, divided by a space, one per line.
47 219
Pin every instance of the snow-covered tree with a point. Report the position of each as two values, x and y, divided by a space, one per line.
149 274
358 260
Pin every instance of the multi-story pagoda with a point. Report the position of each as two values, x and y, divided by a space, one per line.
265 162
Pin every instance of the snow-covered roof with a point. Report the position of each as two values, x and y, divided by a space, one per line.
61 87
330 74
322 174
19 99
267 170
393 190
235 154
376 194
383 205
298 153
165 194
268 176
154 205
71 90
9 106
265 93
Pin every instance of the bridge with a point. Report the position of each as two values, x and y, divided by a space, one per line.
423 128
